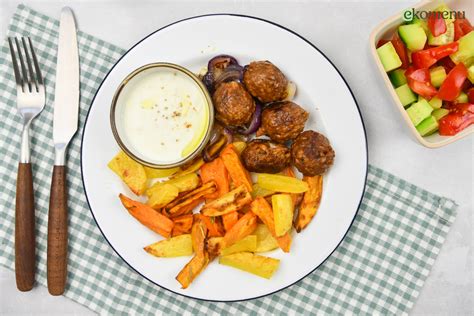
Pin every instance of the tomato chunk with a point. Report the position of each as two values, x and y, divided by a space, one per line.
420 82
452 85
460 117
428 57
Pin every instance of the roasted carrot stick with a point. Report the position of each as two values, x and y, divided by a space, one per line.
192 269
264 211
149 217
237 171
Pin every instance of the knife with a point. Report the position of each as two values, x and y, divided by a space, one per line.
66 108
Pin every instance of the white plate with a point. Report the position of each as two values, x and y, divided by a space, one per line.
321 90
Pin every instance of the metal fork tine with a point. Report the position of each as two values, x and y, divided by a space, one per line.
39 77
30 66
16 70
22 64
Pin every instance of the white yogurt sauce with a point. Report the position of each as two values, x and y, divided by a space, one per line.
164 115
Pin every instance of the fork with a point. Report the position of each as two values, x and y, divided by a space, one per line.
31 97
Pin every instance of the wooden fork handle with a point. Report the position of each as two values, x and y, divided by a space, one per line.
25 256
57 233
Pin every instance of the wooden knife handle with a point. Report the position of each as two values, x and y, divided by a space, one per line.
25 256
57 233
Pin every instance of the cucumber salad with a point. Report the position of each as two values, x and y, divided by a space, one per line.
430 63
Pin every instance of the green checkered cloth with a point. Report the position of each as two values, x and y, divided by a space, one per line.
380 267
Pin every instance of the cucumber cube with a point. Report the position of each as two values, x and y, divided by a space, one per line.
443 39
413 35
470 73
419 111
397 77
405 95
440 113
421 23
428 126
465 51
444 8
462 98
437 74
436 103
389 57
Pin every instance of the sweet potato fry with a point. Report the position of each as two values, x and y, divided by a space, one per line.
310 204
182 225
214 227
198 236
296 197
237 171
216 171
264 211
185 207
229 219
148 216
229 202
244 227
175 208
192 269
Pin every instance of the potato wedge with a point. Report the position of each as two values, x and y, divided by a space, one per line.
192 269
191 168
310 204
265 240
282 205
259 191
148 216
237 171
173 247
182 225
162 196
297 197
239 146
244 227
152 173
281 183
131 172
262 266
229 202
248 243
263 210
184 183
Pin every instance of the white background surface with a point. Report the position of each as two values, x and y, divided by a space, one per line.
340 30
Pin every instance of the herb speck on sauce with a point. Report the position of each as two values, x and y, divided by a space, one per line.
188 125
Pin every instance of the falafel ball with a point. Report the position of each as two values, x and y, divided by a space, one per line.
265 156
312 153
265 81
234 105
283 121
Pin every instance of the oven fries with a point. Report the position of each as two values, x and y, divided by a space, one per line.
310 204
229 202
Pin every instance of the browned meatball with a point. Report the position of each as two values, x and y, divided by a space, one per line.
264 156
283 121
311 153
265 81
234 105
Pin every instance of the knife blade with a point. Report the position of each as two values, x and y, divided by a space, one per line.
66 96
65 122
